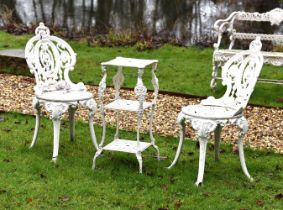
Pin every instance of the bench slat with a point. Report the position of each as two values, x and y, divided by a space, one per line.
265 37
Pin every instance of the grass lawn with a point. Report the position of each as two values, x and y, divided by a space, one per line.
29 180
183 70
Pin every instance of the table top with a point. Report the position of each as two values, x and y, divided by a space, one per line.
129 62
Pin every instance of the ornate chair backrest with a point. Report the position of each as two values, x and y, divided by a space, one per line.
240 75
49 58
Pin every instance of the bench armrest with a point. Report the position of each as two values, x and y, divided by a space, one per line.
223 25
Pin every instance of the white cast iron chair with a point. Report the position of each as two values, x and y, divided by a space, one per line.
240 75
50 59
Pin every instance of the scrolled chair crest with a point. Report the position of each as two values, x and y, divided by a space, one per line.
42 30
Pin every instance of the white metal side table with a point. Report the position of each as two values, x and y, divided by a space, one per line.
119 104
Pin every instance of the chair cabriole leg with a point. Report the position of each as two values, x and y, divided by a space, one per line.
56 127
202 154
36 109
181 123
243 124
139 158
56 110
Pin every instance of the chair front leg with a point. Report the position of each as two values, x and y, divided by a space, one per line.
91 105
139 158
56 110
202 154
181 124
72 111
203 128
36 110
56 127
243 125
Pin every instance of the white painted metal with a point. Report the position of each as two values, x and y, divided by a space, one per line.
240 75
127 105
129 146
220 56
139 106
129 62
51 59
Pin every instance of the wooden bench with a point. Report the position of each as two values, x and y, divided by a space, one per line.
227 26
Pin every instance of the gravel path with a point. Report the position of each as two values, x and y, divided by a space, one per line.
265 124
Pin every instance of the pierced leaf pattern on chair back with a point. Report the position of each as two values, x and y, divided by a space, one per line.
240 75
49 58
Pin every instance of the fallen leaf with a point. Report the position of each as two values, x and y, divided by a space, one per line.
279 100
149 173
178 204
260 202
2 191
190 153
139 207
42 176
64 198
164 187
279 196
29 200
235 149
6 129
206 194
278 168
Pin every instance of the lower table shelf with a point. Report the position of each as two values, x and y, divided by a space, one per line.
123 145
127 105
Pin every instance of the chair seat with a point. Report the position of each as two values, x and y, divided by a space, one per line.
211 112
65 96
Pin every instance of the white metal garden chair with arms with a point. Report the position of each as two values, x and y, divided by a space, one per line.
240 75
51 59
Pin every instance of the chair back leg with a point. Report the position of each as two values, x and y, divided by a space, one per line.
217 139
36 110
72 111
